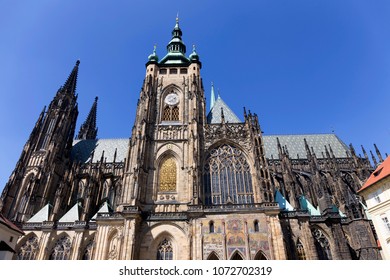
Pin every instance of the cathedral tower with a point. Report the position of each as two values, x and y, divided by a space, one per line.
162 168
45 156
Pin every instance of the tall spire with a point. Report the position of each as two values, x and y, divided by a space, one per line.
88 129
212 100
71 82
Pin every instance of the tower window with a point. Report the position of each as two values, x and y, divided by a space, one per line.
170 113
173 71
183 71
163 71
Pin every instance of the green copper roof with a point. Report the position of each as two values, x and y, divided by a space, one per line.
306 205
212 100
176 48
283 203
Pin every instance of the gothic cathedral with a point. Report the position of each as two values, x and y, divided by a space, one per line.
187 185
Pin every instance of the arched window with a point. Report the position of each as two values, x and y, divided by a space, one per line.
170 113
166 114
211 226
165 251
168 175
227 177
300 251
322 245
175 113
88 251
61 250
256 226
29 250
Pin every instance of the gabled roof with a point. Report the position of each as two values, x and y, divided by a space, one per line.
103 209
7 223
296 145
41 216
381 172
72 215
283 203
215 114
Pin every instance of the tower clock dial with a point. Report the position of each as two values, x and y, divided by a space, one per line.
172 99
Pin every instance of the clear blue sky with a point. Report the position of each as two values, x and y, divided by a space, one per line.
302 66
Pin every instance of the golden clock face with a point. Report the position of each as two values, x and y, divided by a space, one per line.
172 99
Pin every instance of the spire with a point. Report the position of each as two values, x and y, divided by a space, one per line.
364 153
222 116
212 100
88 129
176 44
374 159
71 82
378 153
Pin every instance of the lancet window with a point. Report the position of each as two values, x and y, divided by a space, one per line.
227 177
168 175
300 251
88 251
165 250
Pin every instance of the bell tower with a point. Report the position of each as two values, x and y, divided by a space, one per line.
162 168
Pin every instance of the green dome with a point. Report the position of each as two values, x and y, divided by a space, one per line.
153 56
194 56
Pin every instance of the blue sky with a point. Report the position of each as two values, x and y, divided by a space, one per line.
302 66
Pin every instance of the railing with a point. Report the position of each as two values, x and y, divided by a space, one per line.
236 207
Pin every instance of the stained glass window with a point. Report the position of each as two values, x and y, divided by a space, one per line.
227 177
165 251
29 250
61 250
168 175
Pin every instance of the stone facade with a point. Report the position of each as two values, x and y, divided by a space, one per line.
184 186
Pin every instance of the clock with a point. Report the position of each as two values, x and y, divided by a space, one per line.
172 99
